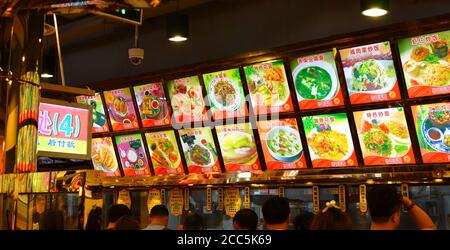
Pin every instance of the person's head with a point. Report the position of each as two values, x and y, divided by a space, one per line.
331 218
276 213
115 212
303 220
159 215
193 221
245 219
94 220
127 222
383 202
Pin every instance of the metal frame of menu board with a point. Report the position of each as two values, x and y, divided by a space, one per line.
86 156
389 33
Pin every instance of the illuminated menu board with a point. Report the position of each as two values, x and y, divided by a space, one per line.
370 73
104 156
280 140
330 141
64 130
99 122
164 152
433 131
268 87
186 99
225 94
121 109
132 155
238 147
316 81
199 150
152 105
384 136
426 64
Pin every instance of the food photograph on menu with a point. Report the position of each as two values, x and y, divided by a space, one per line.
164 152
433 131
186 99
281 144
384 136
268 87
426 64
199 150
238 147
316 81
132 155
104 156
370 74
99 122
329 140
152 104
121 111
225 94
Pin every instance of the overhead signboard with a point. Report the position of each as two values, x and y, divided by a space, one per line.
64 130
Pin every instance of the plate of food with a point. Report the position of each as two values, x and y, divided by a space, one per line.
385 137
429 65
436 130
237 147
225 94
201 156
163 153
103 157
269 88
371 76
284 144
334 144
150 105
187 101
316 81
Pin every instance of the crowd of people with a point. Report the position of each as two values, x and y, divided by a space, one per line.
384 205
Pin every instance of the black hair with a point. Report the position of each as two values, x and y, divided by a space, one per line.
94 220
193 222
246 219
382 202
159 211
116 211
332 219
303 220
276 210
127 222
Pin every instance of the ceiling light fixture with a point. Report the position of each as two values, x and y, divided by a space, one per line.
374 8
177 26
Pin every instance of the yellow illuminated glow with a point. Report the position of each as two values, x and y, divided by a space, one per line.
178 38
374 12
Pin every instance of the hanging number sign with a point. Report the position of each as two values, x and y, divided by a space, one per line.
208 199
163 197
405 193
186 199
362 198
124 198
342 202
281 191
220 199
176 202
154 198
246 197
316 199
232 201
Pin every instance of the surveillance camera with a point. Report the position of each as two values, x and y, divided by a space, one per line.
136 55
